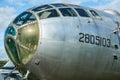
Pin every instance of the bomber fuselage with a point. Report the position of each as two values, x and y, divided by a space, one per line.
65 42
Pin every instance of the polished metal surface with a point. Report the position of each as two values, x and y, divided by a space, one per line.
58 42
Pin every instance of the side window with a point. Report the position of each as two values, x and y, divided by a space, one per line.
82 12
24 18
95 14
67 12
48 14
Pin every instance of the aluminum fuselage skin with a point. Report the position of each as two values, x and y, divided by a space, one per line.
76 48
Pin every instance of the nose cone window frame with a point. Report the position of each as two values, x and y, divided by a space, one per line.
48 14
40 8
25 17
59 5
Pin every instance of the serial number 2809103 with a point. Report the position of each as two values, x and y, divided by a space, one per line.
97 40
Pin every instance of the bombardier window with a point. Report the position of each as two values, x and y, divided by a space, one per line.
48 14
67 12
24 18
95 14
82 12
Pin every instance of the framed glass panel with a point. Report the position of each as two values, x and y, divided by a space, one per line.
95 14
12 50
27 39
42 8
24 18
67 12
82 12
48 14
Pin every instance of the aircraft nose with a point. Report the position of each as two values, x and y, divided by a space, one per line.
21 43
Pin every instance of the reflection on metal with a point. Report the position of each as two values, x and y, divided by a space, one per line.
113 12
28 36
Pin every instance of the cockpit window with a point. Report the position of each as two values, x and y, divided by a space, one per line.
67 12
95 14
23 18
48 14
59 5
82 12
42 8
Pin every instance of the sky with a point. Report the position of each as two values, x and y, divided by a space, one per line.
9 9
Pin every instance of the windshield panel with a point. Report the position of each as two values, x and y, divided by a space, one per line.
82 12
42 8
24 18
48 14
67 12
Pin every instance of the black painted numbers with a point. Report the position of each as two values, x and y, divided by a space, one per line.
81 37
92 39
